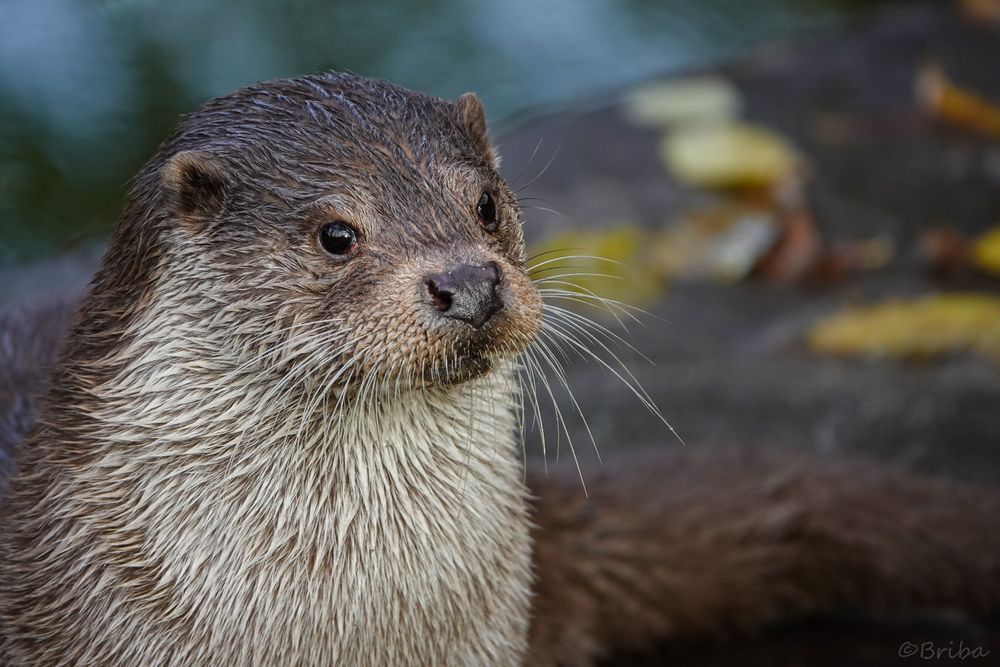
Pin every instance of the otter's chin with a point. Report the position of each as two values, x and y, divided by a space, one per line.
468 368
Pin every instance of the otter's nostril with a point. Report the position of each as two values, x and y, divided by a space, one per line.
441 297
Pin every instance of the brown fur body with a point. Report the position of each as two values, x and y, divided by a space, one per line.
180 501
723 543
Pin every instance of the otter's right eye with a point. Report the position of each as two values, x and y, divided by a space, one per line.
338 238
486 211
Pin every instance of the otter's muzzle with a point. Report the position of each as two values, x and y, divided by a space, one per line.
467 293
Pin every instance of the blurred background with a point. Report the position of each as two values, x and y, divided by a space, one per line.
89 88
803 195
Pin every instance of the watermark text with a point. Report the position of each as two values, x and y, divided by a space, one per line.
938 651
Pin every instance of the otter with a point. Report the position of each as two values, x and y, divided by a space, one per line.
282 429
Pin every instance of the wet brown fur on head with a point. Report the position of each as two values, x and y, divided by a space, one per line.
241 189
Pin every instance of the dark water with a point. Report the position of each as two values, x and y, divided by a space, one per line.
88 89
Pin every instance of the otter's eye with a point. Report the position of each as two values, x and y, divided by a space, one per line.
486 210
338 238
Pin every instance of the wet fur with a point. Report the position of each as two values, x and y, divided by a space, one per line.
247 454
180 501
722 543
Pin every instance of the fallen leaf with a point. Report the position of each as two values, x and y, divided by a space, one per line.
663 104
985 252
914 328
946 250
723 243
729 155
943 250
981 11
949 103
797 251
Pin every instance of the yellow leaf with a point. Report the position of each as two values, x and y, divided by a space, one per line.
923 327
952 104
607 264
727 155
664 103
985 251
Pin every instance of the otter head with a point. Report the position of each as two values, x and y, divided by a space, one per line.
336 229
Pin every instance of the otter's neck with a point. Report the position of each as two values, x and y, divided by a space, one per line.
392 531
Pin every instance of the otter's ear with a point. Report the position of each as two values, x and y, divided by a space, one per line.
195 183
473 115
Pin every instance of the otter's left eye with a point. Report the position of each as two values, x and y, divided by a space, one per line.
338 238
486 210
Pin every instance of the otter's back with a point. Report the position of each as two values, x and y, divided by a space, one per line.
30 340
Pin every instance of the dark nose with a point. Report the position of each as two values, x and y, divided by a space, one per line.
467 293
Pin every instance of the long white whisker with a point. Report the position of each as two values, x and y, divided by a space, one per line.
589 328
636 389
544 169
566 257
561 423
561 376
527 164
531 368
575 274
593 299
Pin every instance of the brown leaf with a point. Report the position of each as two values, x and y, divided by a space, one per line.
797 251
981 11
943 250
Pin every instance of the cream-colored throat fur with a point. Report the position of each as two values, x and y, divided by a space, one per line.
396 535
388 533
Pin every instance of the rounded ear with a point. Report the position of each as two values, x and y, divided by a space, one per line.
473 115
195 183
